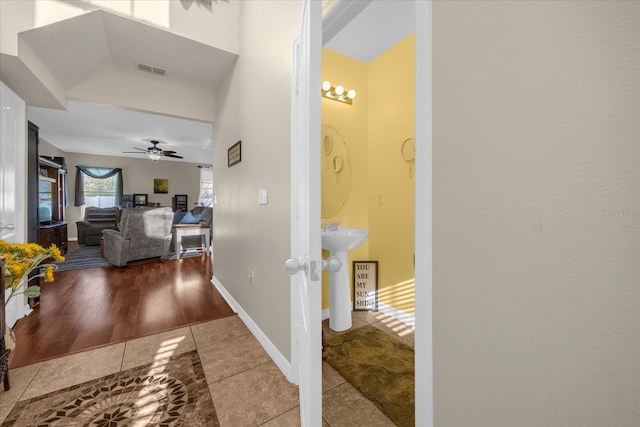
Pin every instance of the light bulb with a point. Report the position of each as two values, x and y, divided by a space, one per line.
339 90
351 94
326 85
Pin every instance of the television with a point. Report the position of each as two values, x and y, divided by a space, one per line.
46 188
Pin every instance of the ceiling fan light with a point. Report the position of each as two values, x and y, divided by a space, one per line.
155 156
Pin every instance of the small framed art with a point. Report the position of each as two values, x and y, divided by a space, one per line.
234 154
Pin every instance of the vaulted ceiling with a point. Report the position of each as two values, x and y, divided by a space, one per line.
95 57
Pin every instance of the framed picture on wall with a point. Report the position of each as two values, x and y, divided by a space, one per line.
234 154
160 186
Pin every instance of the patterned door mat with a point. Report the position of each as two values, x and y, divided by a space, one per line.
171 393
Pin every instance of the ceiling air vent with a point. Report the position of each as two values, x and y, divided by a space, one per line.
151 69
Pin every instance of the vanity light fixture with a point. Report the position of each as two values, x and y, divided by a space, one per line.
337 93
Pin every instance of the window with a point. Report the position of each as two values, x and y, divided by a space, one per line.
99 187
206 187
100 192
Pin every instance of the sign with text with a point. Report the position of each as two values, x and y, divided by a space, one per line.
365 285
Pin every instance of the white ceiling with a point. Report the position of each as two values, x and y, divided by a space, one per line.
112 44
377 28
104 130
111 41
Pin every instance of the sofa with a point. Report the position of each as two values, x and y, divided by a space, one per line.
95 220
199 215
143 233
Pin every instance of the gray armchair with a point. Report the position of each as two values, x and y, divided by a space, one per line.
144 233
95 220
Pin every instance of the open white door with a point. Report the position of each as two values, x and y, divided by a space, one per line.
13 190
306 262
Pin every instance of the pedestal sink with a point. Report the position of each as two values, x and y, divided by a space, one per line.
338 242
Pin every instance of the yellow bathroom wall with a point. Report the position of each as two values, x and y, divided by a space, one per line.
381 197
391 183
350 121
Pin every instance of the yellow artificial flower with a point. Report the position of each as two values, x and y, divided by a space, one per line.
57 255
48 273
21 259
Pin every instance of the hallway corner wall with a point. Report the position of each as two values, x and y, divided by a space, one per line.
255 108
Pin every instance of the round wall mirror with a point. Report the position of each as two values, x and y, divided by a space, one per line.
336 172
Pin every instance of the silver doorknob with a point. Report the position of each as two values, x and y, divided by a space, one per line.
293 265
332 264
7 227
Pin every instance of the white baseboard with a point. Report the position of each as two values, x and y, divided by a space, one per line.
283 364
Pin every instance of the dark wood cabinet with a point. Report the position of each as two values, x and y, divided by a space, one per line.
54 234
52 196
180 202
32 183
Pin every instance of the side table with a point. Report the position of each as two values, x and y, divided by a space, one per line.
182 230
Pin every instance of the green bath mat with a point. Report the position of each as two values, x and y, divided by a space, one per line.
380 367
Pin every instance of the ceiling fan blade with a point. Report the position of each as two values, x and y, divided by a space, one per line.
174 156
135 152
168 151
136 148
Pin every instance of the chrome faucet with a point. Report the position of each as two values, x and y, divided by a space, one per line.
334 226
325 226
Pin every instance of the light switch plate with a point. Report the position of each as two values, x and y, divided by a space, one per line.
263 196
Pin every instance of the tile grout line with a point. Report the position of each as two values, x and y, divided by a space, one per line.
26 387
124 351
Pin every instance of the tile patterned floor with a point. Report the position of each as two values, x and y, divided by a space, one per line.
170 392
247 388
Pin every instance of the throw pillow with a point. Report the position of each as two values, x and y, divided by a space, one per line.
177 217
190 218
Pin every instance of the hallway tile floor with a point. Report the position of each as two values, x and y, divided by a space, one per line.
247 388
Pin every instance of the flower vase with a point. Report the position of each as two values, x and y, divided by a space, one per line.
7 344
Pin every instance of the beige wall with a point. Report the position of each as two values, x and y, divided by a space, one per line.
137 174
536 213
255 107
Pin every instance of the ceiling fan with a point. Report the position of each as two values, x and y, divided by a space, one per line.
154 152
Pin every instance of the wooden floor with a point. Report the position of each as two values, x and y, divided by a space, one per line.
89 308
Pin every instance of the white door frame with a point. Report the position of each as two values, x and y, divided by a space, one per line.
424 214
424 409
